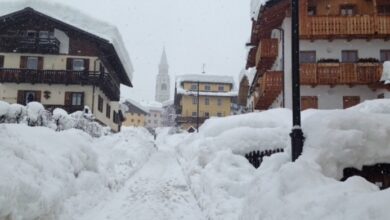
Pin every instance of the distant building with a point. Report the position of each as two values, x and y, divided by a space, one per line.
169 114
163 87
154 117
45 58
216 94
134 113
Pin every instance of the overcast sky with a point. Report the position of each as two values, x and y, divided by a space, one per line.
194 32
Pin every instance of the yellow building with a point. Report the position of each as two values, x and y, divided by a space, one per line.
134 113
199 97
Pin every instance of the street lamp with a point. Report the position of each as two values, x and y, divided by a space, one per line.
197 108
296 133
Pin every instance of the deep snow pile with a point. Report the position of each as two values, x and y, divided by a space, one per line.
57 175
227 187
213 159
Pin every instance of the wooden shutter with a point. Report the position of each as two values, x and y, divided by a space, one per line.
40 63
309 102
68 98
23 62
349 101
21 98
82 99
38 96
86 64
1 61
69 62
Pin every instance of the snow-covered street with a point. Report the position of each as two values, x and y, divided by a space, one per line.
156 191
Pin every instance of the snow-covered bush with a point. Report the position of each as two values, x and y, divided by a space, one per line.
62 120
36 114
84 120
16 113
4 106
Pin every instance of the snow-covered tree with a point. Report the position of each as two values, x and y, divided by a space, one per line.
16 113
4 106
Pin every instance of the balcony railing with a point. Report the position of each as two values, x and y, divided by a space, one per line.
271 84
15 43
268 49
106 82
362 26
340 73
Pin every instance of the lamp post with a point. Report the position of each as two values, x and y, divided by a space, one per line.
197 108
296 133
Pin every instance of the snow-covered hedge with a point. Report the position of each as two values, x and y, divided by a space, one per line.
34 114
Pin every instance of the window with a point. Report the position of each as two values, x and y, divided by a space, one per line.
1 61
383 9
347 10
108 111
385 55
25 97
381 96
207 101
307 57
206 114
115 118
349 101
309 102
77 98
155 121
139 121
194 100
139 114
155 115
193 114
221 88
149 121
164 86
30 97
349 56
77 64
311 10
219 114
132 120
32 63
100 103
207 87
219 101
44 34
194 87
31 34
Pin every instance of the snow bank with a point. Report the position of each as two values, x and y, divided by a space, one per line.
4 106
57 175
228 187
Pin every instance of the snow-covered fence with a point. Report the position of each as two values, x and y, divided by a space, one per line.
256 157
379 174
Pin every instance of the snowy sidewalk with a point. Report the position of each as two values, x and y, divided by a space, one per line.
156 191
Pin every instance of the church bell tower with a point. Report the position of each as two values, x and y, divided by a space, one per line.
163 81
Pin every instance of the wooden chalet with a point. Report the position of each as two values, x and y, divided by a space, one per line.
45 59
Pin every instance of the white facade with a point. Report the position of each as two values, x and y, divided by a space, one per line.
328 97
163 87
154 118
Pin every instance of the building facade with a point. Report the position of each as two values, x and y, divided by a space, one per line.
47 60
163 83
134 113
155 113
343 45
199 97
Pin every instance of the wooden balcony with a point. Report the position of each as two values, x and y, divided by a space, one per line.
328 27
268 49
340 73
24 44
271 84
107 83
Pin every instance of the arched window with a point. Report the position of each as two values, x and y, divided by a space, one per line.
163 86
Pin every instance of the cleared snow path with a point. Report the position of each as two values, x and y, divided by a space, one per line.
156 191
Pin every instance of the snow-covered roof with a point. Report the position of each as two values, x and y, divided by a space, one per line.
151 105
386 72
201 93
255 7
168 103
75 18
135 104
204 78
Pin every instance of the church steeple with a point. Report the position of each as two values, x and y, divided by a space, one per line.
163 81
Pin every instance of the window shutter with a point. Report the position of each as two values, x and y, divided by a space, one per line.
69 64
40 63
68 99
82 99
1 61
38 96
20 99
23 62
86 64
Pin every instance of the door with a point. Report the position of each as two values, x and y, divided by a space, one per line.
349 101
309 102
